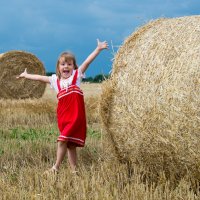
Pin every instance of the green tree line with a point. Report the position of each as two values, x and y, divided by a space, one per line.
96 79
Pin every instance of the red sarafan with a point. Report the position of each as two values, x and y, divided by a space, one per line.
71 114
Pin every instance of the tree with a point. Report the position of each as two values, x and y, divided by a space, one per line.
99 78
89 79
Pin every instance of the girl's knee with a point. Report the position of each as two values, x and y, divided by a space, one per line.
71 146
62 143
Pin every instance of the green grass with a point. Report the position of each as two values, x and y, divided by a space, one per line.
31 134
94 133
39 134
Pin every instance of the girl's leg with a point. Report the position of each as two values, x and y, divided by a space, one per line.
61 152
72 157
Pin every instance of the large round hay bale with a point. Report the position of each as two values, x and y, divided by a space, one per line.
12 64
151 104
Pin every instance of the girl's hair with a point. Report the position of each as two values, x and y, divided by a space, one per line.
67 56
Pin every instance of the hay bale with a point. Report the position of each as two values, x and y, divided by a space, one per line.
150 106
12 64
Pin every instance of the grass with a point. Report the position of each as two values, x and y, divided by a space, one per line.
27 151
24 156
23 162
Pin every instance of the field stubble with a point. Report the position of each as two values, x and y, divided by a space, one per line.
28 147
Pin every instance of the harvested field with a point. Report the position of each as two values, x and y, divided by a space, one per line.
42 112
28 148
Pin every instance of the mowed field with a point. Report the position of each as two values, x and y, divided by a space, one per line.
89 89
28 147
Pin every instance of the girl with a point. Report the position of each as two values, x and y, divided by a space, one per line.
70 110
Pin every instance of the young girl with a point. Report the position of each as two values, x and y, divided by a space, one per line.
70 110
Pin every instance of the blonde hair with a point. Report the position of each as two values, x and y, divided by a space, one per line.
67 56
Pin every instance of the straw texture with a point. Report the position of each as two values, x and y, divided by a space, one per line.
150 106
12 64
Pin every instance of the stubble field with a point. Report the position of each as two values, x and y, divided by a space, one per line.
28 147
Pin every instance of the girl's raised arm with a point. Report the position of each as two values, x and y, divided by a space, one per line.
35 77
100 46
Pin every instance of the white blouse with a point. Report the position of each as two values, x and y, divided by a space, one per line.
64 83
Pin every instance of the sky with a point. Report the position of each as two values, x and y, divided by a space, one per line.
46 28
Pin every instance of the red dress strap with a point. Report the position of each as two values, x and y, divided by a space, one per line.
75 77
58 84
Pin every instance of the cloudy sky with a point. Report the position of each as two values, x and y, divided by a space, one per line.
48 27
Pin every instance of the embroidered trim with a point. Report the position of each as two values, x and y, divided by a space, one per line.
70 93
62 136
71 89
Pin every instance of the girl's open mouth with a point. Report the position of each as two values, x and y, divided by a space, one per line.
66 71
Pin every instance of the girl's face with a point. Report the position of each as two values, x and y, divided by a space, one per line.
65 67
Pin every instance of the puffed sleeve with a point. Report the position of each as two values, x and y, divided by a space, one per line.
53 82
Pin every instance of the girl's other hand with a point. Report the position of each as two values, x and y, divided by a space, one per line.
102 45
23 74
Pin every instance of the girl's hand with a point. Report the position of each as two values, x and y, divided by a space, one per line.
23 74
102 45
